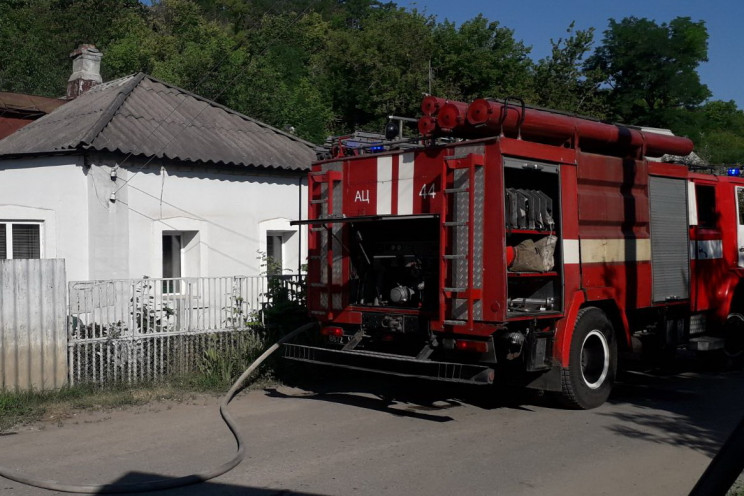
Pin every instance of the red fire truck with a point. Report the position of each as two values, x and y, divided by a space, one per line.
522 243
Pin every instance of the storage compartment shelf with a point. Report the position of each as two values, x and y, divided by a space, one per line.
530 231
532 217
533 274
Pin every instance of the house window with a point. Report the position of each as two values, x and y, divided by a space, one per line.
274 248
172 244
20 240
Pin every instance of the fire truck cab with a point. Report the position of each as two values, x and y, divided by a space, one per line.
529 244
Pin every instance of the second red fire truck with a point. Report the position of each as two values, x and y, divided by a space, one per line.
532 244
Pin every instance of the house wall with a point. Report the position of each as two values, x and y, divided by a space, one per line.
52 191
111 227
107 223
223 217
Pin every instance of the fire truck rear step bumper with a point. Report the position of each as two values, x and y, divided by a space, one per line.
705 343
385 363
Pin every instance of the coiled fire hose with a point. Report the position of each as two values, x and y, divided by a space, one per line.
170 483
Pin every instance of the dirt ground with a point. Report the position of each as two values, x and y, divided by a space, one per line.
655 436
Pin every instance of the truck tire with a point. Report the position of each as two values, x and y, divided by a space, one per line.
733 344
588 380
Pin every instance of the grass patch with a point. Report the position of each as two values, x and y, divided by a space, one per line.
737 489
27 407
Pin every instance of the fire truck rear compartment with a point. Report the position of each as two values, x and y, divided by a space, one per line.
395 264
393 283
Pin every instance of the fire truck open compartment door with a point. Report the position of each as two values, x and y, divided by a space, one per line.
669 238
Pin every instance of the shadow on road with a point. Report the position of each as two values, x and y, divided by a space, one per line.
688 407
385 405
406 397
692 406
209 488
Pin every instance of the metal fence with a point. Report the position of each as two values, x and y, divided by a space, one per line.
32 324
148 329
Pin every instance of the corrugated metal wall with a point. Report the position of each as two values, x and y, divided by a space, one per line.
669 227
33 336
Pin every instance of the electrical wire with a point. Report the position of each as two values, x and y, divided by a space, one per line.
170 483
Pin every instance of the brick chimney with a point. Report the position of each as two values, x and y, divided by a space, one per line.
86 70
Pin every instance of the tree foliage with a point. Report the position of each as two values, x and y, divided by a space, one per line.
717 128
561 82
321 67
651 68
479 59
370 74
38 36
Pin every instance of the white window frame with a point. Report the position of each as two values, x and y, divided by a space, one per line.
291 238
9 236
194 239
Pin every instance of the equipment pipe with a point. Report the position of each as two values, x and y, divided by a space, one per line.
538 123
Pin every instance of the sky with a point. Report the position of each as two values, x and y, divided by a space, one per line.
536 22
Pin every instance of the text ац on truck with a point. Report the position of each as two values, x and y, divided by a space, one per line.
513 242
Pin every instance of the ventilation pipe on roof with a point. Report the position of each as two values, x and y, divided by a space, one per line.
86 70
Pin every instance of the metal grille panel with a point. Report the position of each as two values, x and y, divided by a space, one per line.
669 238
461 207
337 275
479 189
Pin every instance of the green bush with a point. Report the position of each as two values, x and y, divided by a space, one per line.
223 362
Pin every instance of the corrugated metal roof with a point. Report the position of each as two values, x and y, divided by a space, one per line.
141 115
28 104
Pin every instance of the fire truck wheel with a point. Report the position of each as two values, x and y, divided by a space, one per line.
588 380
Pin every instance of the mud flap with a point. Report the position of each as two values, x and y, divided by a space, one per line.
550 380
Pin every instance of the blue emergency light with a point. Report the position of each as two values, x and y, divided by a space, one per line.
734 171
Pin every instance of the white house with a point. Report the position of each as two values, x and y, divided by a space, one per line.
137 177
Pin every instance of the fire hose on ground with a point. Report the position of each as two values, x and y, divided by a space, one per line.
170 483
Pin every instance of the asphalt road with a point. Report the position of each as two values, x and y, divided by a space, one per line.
655 436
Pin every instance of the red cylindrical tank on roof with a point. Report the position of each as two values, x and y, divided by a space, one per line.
539 123
452 115
427 125
430 105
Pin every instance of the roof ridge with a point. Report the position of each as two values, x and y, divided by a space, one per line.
111 110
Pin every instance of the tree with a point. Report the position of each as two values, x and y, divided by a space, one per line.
561 82
479 59
278 80
717 128
29 63
651 69
40 34
377 68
